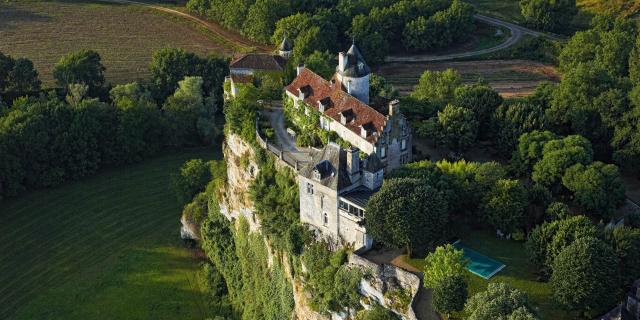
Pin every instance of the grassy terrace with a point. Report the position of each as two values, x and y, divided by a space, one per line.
124 35
105 247
519 273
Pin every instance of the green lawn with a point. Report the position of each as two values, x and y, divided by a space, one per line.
519 273
105 247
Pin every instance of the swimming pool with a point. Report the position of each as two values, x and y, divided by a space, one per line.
479 264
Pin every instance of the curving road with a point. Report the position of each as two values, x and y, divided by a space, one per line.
516 33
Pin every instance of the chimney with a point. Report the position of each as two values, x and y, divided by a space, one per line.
341 61
299 69
353 162
349 86
394 107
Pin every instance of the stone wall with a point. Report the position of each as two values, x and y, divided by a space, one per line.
381 278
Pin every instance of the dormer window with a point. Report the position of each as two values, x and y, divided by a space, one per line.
366 130
346 116
324 104
317 175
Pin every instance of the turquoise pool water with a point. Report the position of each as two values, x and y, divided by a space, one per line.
479 264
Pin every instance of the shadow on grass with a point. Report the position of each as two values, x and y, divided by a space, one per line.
10 15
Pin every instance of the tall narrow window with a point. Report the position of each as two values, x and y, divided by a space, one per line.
322 201
383 152
309 188
325 219
403 144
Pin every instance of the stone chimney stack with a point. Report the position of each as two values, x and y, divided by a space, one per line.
342 61
353 163
394 107
299 69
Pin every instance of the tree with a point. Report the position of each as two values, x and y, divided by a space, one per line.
450 295
23 77
457 128
373 44
444 262
549 239
380 87
291 26
346 287
634 63
597 187
482 100
504 206
259 24
512 120
193 177
558 211
548 15
558 156
585 278
531 149
83 67
321 63
407 213
437 86
625 242
499 301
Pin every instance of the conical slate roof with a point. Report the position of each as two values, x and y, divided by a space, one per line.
285 45
355 65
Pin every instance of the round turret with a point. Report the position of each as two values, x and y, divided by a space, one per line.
285 49
353 72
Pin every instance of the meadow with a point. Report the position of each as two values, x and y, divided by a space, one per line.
124 35
105 247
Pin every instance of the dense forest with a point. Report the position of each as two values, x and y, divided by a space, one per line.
378 26
51 136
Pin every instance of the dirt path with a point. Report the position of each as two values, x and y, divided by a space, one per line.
233 37
516 34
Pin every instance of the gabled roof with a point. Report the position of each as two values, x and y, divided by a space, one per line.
355 65
262 62
317 88
331 163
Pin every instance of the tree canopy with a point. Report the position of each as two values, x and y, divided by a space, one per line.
585 277
407 213
81 67
499 301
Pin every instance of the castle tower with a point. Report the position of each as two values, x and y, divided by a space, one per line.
353 72
285 49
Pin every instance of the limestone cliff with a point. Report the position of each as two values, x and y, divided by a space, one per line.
380 282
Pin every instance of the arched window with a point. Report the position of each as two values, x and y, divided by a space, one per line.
325 219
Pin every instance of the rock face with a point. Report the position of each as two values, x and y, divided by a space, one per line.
235 202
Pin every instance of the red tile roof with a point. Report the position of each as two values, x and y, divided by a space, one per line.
317 88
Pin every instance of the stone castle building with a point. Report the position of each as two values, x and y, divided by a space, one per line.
337 184
345 108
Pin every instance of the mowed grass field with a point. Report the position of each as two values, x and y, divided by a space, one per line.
125 35
105 247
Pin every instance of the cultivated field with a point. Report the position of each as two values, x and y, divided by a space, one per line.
510 78
510 9
106 247
124 35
